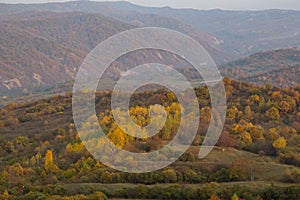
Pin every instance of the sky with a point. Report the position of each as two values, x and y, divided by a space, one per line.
201 4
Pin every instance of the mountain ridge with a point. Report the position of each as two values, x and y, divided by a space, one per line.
243 32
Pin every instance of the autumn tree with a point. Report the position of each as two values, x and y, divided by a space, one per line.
15 175
50 167
241 169
248 113
280 144
214 197
4 177
284 107
287 132
205 114
6 195
226 140
232 113
273 134
118 137
273 114
235 197
74 152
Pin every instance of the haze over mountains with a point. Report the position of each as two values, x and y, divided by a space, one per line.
243 32
44 44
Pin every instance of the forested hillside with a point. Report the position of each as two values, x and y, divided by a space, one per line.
44 155
278 68
45 49
40 146
240 32
40 50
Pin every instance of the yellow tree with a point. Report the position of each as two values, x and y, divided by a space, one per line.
6 195
235 197
273 134
140 115
118 137
232 113
246 138
284 106
49 165
273 114
49 158
4 177
279 144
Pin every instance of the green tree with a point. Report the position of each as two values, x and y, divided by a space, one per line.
241 169
169 176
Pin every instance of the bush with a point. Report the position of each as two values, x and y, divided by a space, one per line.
187 157
33 196
292 176
25 118
221 175
290 159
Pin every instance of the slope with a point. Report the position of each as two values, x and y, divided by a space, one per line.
278 67
44 49
121 11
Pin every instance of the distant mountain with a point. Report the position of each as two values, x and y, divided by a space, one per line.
44 49
209 41
243 32
78 30
278 67
42 45
239 33
122 12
